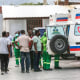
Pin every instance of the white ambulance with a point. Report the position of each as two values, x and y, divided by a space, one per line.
63 33
57 33
74 33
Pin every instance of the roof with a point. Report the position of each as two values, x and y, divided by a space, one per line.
32 11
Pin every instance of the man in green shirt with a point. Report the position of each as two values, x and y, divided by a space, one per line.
16 50
46 56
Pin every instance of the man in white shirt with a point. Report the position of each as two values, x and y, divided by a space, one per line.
4 52
24 50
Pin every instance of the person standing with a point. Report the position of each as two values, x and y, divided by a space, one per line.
31 50
16 50
46 56
37 50
24 50
4 52
10 38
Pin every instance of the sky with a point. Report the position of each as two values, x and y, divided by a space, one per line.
16 2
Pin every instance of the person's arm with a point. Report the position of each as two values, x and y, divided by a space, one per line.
35 47
16 41
8 49
18 45
35 44
31 43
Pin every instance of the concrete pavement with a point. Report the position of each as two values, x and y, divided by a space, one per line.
70 71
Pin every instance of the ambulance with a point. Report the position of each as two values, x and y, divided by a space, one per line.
63 33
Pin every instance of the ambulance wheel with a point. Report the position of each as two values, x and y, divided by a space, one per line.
59 44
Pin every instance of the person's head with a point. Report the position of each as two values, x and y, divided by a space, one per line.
22 32
37 32
7 34
16 35
4 34
44 33
19 32
30 32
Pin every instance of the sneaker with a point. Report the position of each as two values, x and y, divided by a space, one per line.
17 66
27 71
41 66
2 73
37 70
48 69
7 69
22 71
6 72
58 68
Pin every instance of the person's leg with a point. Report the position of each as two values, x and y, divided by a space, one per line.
17 57
6 62
31 59
56 62
44 60
38 59
27 61
22 61
11 51
2 64
48 61
35 61
40 64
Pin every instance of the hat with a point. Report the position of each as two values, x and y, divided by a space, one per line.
16 35
45 33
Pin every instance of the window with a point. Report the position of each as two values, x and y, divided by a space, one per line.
54 30
77 30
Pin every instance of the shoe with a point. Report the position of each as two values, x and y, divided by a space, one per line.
27 71
17 66
7 69
49 69
58 68
41 66
22 71
2 73
37 70
6 72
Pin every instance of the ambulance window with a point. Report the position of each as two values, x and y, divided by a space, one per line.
54 30
77 30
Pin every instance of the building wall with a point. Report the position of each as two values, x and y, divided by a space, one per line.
14 25
45 22
36 22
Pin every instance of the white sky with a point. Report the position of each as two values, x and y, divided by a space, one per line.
16 2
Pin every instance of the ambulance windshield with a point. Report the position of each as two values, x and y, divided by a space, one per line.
54 30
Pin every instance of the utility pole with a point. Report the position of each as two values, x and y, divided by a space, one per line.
44 2
58 2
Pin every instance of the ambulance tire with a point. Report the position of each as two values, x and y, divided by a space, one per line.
59 44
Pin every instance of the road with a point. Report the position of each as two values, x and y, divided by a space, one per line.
70 71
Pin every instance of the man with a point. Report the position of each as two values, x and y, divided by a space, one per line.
37 50
24 50
4 52
46 56
16 50
10 38
31 50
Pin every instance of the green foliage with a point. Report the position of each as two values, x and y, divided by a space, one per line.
32 3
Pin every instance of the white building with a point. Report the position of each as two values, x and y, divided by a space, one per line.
27 17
